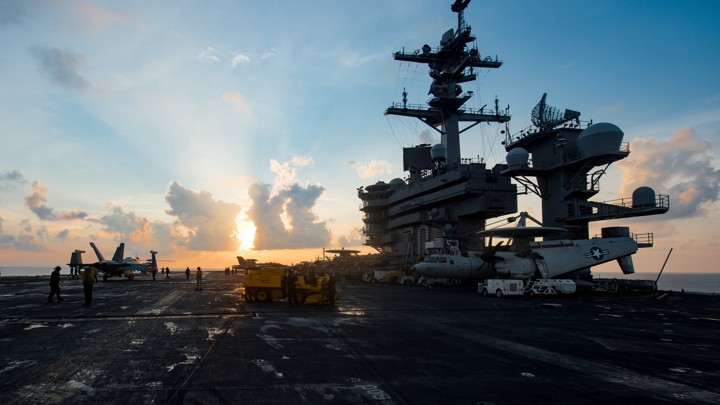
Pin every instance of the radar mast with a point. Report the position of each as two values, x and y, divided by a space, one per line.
450 64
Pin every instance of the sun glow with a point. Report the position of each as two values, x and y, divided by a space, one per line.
245 234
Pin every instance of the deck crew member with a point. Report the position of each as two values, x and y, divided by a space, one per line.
198 279
89 277
290 287
55 284
331 288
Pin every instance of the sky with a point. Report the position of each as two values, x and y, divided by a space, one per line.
210 129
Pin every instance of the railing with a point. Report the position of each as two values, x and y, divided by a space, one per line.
425 107
660 201
643 239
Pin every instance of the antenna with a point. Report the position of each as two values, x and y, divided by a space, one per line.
459 7
546 117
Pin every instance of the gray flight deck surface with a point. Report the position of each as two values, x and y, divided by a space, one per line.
161 341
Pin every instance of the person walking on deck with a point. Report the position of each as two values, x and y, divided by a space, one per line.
55 284
198 279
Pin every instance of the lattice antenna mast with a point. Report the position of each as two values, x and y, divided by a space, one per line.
459 7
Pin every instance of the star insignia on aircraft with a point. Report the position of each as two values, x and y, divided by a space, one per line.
596 253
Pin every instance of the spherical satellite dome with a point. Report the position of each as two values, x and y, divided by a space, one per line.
643 197
517 157
599 138
438 151
397 182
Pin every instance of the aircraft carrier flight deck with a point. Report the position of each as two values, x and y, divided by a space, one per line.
146 341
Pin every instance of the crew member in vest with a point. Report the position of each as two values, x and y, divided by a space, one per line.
88 281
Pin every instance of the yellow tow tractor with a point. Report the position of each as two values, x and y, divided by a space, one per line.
268 283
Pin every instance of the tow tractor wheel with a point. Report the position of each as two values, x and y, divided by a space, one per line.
300 297
408 282
484 291
263 295
498 293
104 277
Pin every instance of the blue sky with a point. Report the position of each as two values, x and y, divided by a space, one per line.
173 125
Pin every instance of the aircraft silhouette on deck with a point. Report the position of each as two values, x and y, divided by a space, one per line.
527 259
117 266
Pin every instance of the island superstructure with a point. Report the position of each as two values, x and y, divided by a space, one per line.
444 194
447 197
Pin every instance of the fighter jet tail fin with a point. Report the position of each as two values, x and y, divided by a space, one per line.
119 253
76 258
154 259
97 252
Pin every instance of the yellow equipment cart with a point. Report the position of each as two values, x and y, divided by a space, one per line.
268 283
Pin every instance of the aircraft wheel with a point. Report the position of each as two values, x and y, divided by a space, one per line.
263 295
498 293
429 287
373 280
408 282
105 277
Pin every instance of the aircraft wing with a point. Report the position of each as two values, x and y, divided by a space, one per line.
521 231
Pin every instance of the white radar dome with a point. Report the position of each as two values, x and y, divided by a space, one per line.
517 157
438 152
643 197
599 138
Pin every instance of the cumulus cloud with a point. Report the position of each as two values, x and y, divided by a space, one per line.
63 67
210 223
96 18
125 225
285 172
6 240
11 179
294 203
24 241
36 202
236 99
210 55
240 59
27 243
372 169
680 167
354 238
62 235
356 59
283 214
269 54
13 12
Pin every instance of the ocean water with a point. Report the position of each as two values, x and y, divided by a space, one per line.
707 283
65 271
